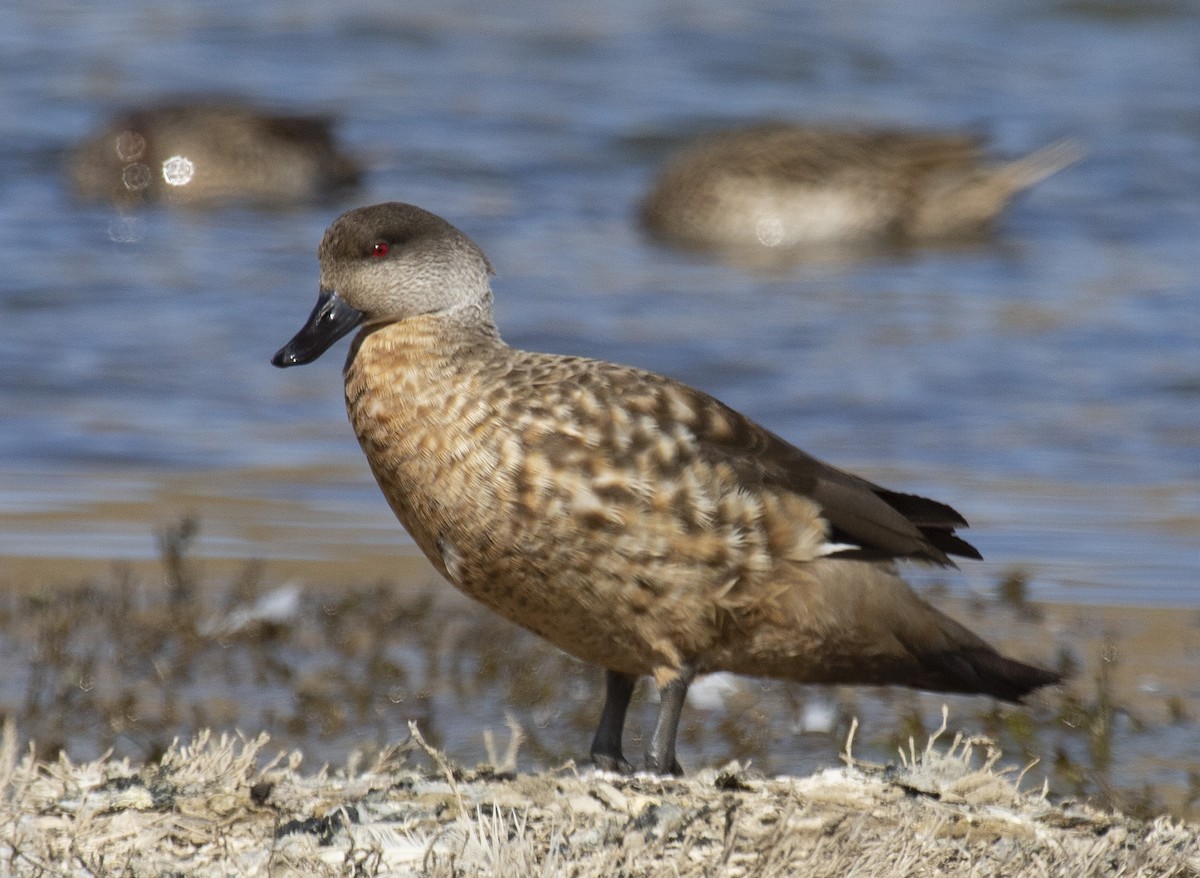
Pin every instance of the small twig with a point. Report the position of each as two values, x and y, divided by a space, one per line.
847 754
1024 771
941 731
442 763
506 764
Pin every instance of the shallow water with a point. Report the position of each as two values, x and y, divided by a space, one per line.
1047 384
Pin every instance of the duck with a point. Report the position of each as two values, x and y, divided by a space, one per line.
206 152
634 522
785 185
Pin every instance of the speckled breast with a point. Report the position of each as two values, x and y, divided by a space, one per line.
591 524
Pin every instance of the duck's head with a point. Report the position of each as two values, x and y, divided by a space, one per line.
387 263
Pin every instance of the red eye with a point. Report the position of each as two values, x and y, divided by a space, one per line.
379 249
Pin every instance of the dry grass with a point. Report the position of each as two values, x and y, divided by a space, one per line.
219 806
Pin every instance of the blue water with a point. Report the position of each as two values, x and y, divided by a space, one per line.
1047 385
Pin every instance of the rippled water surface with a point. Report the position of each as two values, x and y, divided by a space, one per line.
1047 384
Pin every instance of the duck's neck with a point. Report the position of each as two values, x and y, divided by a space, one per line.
432 334
416 397
414 363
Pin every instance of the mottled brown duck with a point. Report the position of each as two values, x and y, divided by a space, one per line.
782 185
207 152
632 521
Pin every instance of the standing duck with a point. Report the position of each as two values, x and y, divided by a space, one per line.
634 522
781 185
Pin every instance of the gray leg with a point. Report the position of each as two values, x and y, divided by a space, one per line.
606 746
660 754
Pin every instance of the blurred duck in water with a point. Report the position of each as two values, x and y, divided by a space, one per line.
782 185
208 152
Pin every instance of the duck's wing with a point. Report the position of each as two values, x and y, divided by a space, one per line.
865 518
684 424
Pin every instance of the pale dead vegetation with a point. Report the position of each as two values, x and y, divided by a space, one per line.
226 806
126 661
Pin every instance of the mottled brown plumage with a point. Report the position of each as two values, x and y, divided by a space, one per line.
785 185
633 521
205 152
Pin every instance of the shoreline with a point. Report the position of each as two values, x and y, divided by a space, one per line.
328 658
330 520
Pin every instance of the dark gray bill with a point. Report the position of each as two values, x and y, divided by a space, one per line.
329 321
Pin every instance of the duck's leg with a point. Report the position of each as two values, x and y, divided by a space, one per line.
606 746
660 753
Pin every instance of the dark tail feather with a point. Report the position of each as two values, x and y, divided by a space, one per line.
922 511
950 543
958 660
981 670
936 522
